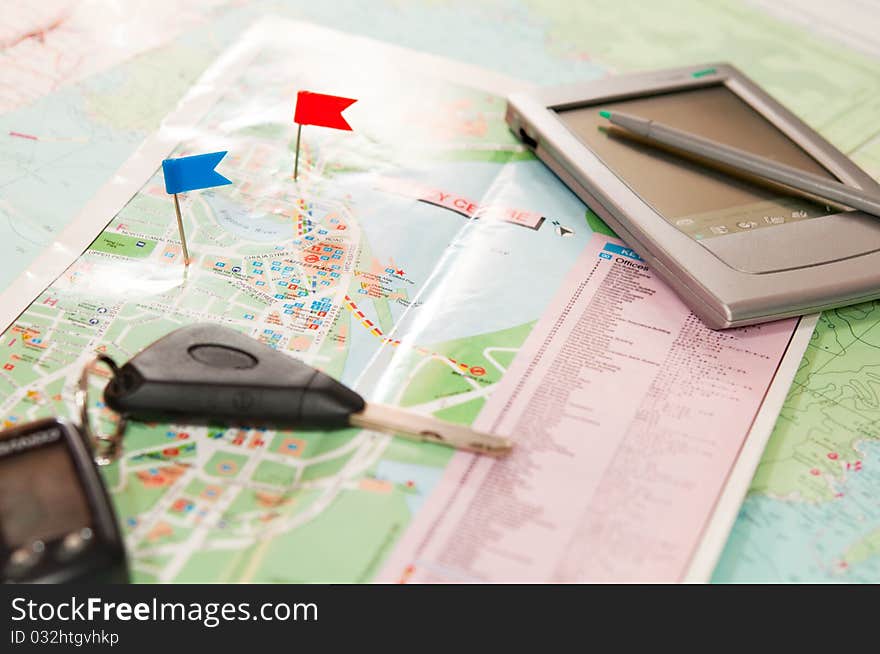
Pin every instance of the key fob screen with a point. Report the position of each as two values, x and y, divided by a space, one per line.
56 521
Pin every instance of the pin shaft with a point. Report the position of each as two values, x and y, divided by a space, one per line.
180 229
299 129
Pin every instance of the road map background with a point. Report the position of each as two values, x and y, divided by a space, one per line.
809 515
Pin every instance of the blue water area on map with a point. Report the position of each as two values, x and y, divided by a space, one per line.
418 479
502 275
246 225
786 540
494 274
47 176
471 276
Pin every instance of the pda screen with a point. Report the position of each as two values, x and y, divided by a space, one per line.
701 202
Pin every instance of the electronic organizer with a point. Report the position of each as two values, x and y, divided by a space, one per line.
736 252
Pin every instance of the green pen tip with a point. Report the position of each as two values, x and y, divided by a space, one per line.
605 114
703 73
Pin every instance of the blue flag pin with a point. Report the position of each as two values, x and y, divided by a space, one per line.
190 174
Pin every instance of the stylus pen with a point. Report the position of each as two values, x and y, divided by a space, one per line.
711 151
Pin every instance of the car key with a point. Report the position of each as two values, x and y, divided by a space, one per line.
207 373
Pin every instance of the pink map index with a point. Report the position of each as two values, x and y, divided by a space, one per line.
628 415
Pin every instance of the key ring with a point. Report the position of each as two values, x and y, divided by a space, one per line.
107 448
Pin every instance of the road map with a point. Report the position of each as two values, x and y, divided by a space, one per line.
419 301
45 45
808 516
817 482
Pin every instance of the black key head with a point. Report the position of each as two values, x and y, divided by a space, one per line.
206 373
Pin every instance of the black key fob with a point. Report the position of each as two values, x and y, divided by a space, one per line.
208 374
56 519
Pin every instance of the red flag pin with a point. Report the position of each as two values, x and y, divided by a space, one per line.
321 110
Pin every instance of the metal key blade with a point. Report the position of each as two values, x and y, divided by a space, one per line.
391 420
